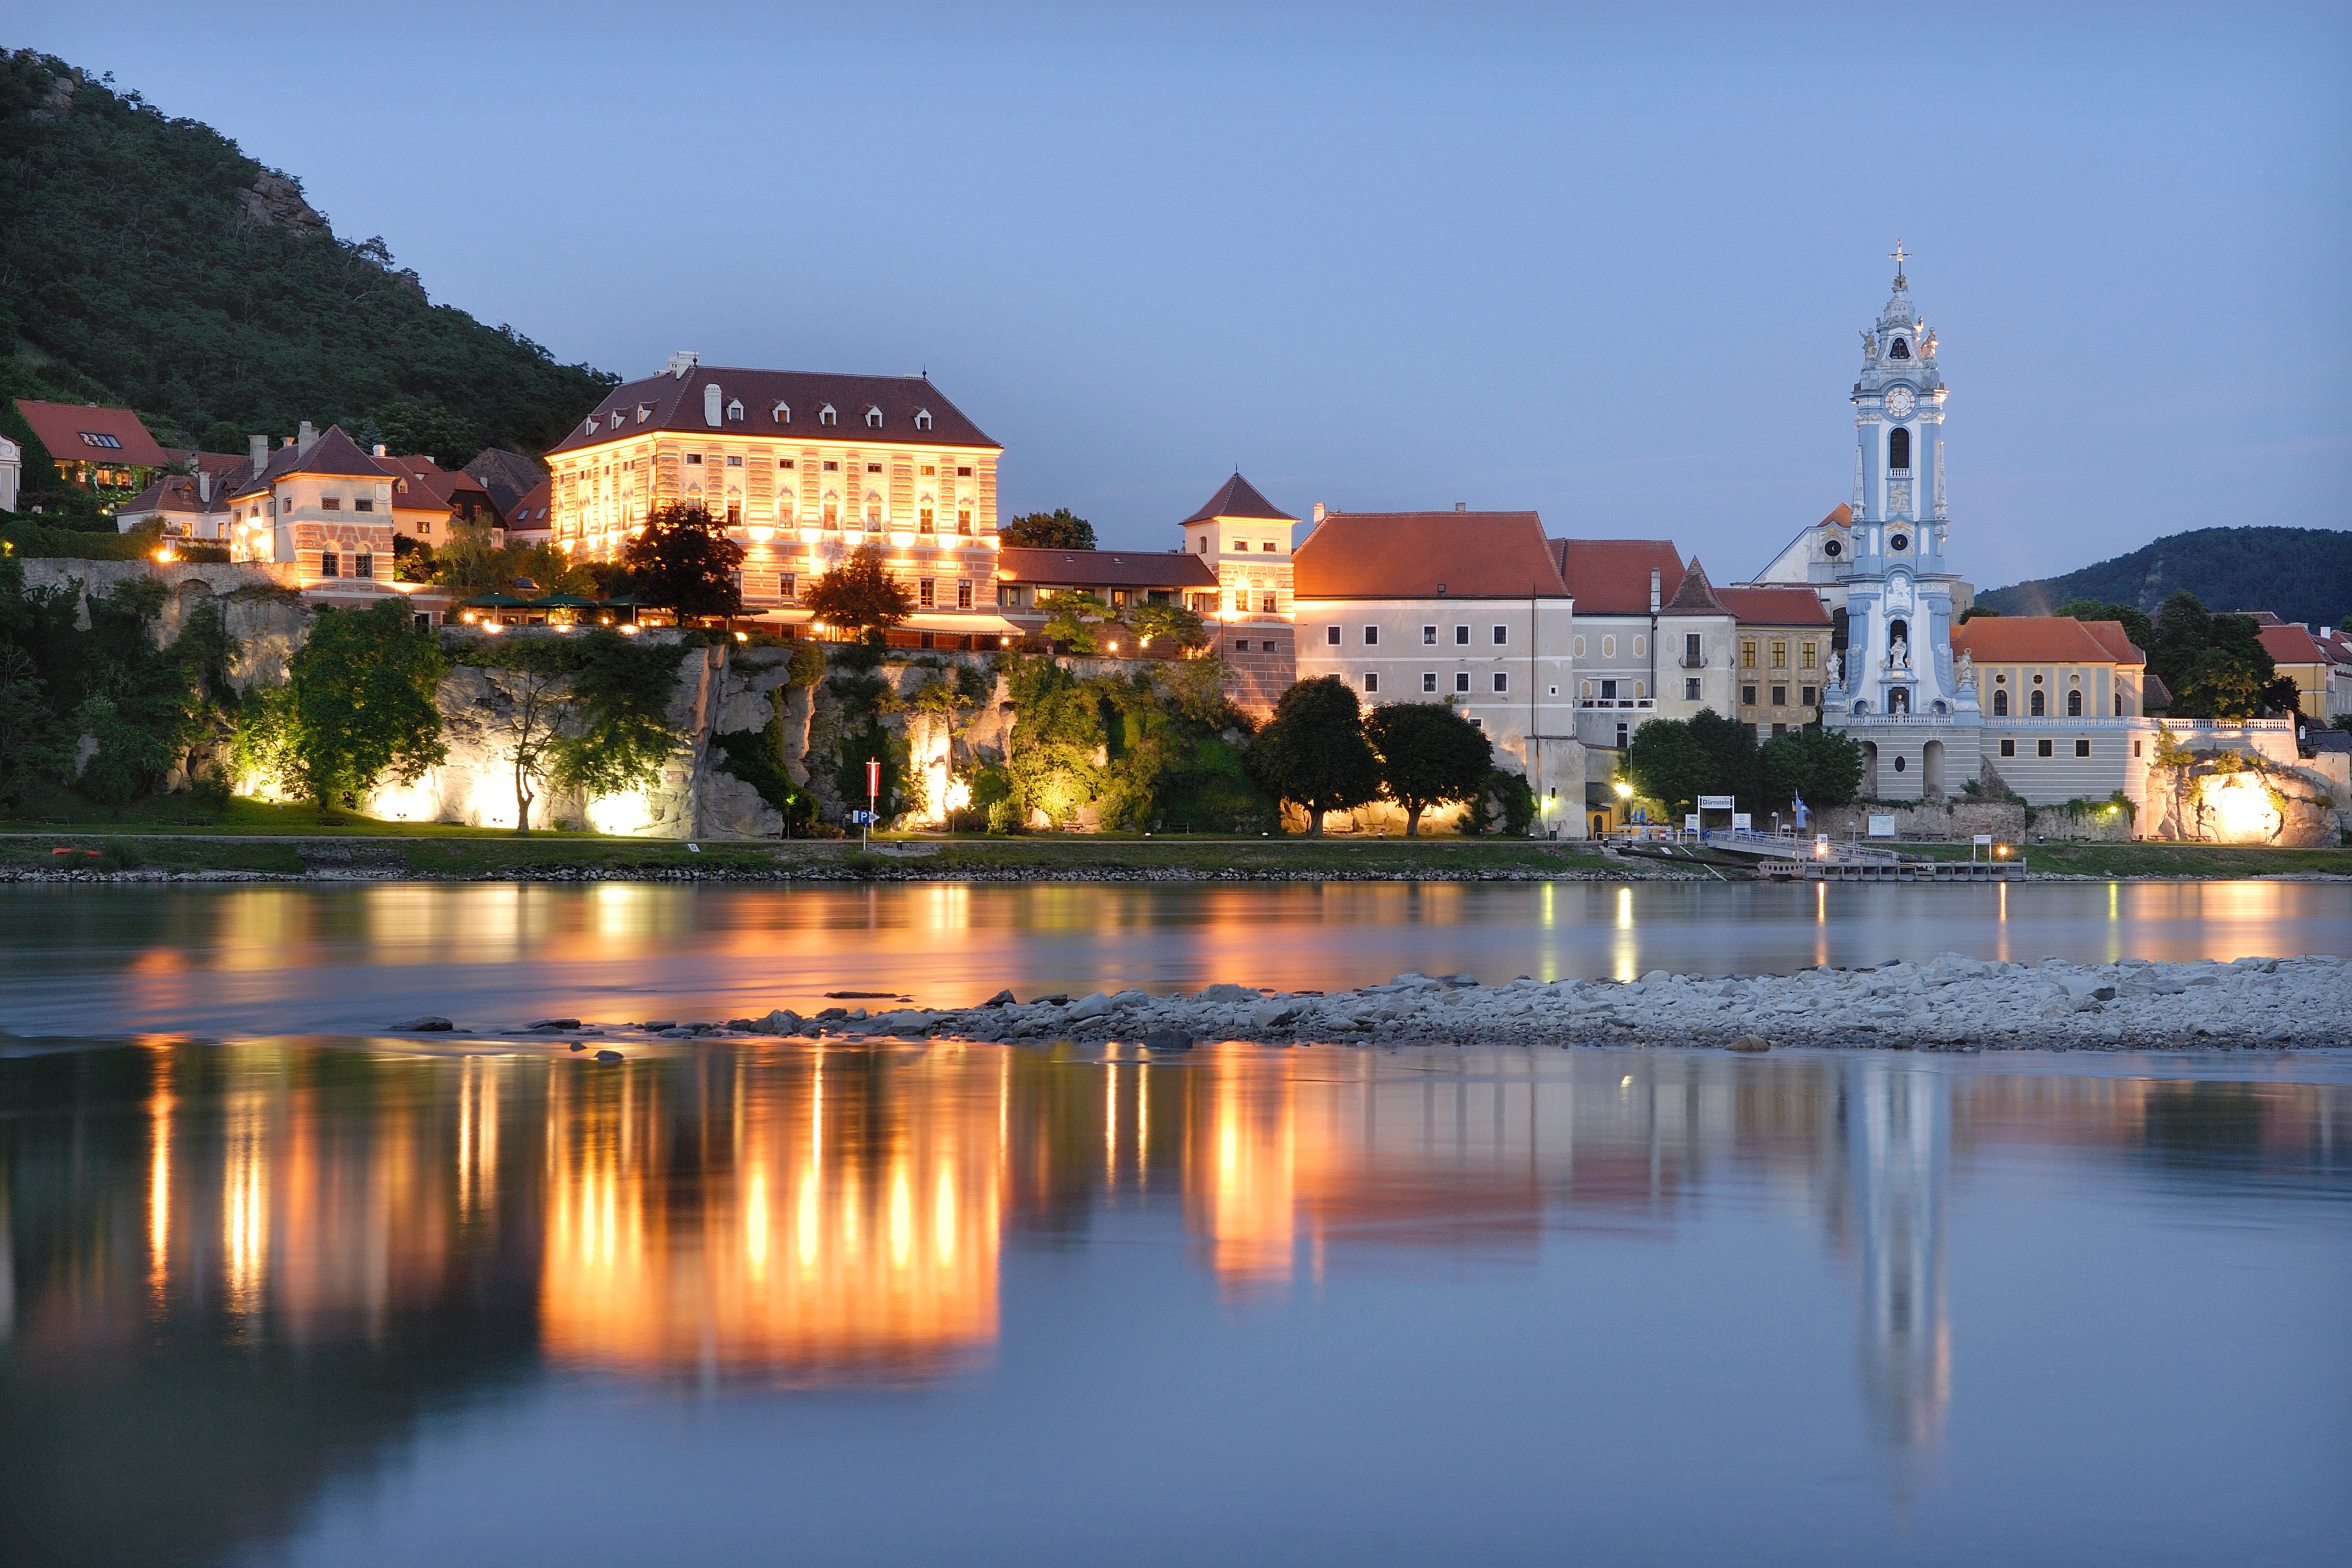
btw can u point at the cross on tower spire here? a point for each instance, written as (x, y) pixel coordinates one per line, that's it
(1900, 255)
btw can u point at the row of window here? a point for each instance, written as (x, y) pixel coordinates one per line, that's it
(331, 564)
(926, 590)
(1609, 647)
(1779, 696)
(2036, 707)
(1265, 546)
(1805, 656)
(1502, 680)
(2043, 748)
(827, 465)
(1502, 635)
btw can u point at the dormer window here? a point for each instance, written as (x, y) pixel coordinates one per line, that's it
(589, 427)
(735, 410)
(922, 418)
(781, 414)
(1902, 349)
(644, 412)
(826, 416)
(873, 418)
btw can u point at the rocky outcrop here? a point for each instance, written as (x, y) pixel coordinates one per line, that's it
(2229, 797)
(274, 198)
(258, 602)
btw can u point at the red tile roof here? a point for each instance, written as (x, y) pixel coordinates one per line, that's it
(529, 514)
(2041, 639)
(2291, 645)
(79, 433)
(1427, 555)
(2116, 641)
(1697, 595)
(1774, 606)
(675, 403)
(1238, 498)
(1612, 576)
(1106, 568)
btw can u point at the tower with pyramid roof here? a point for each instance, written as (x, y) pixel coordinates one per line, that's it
(1245, 538)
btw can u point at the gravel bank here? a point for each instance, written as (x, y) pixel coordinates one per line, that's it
(1954, 1003)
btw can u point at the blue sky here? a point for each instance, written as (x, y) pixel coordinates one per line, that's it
(1609, 265)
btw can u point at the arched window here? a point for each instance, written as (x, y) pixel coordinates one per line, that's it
(1902, 349)
(2074, 705)
(2001, 704)
(1899, 448)
(2037, 707)
(1898, 631)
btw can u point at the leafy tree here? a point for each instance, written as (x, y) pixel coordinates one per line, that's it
(1822, 766)
(1313, 751)
(1072, 617)
(1731, 746)
(1058, 733)
(1057, 530)
(1667, 763)
(25, 744)
(621, 688)
(534, 717)
(1170, 624)
(1429, 754)
(859, 595)
(2298, 574)
(357, 705)
(683, 561)
(2214, 666)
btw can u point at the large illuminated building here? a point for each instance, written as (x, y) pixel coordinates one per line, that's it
(803, 468)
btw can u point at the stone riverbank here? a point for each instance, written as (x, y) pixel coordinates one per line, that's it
(1954, 1003)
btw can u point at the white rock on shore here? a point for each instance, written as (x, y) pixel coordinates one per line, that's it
(1953, 1003)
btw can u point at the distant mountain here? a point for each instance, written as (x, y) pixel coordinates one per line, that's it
(146, 261)
(2296, 573)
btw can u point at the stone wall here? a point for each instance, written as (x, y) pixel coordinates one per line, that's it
(1956, 820)
(259, 605)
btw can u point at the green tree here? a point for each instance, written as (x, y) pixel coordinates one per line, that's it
(1171, 624)
(2135, 624)
(683, 561)
(26, 722)
(1822, 766)
(2214, 666)
(1057, 530)
(859, 595)
(1667, 763)
(1057, 734)
(1730, 747)
(357, 706)
(530, 714)
(1313, 751)
(621, 688)
(1429, 754)
(1072, 617)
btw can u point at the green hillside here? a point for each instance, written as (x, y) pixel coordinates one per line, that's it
(146, 261)
(2296, 573)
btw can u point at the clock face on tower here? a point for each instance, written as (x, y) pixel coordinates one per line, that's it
(1900, 403)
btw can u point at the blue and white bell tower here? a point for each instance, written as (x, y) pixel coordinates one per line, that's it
(1896, 690)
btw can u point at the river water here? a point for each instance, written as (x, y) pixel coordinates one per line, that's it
(272, 1291)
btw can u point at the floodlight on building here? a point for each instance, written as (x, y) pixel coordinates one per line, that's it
(1624, 791)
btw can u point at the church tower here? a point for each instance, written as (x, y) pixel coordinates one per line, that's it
(1897, 691)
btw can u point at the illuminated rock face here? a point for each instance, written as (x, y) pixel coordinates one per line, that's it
(2227, 798)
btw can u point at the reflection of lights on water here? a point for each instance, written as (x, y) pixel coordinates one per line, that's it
(943, 1218)
(755, 1226)
(806, 1223)
(902, 1219)
(245, 1204)
(159, 1192)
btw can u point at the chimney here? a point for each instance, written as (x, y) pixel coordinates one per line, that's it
(1318, 511)
(1653, 589)
(204, 484)
(380, 451)
(307, 438)
(710, 403)
(1462, 506)
(683, 360)
(257, 452)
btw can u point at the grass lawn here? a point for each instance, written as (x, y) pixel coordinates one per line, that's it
(2156, 860)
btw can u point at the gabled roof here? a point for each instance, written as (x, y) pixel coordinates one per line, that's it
(1697, 595)
(779, 405)
(1426, 555)
(430, 483)
(1774, 606)
(529, 513)
(1106, 568)
(1238, 498)
(2291, 645)
(1612, 576)
(332, 453)
(507, 476)
(2043, 639)
(79, 433)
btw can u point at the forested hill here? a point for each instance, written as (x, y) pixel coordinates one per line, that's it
(2296, 573)
(146, 261)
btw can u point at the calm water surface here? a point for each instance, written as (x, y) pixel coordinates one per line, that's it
(216, 962)
(270, 1292)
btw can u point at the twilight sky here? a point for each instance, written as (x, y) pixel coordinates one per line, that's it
(1607, 266)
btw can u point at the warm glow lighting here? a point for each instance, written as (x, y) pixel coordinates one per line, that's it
(760, 534)
(1624, 791)
(811, 535)
(900, 538)
(491, 626)
(628, 628)
(902, 1218)
(742, 637)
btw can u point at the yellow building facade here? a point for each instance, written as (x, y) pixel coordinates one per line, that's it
(803, 468)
